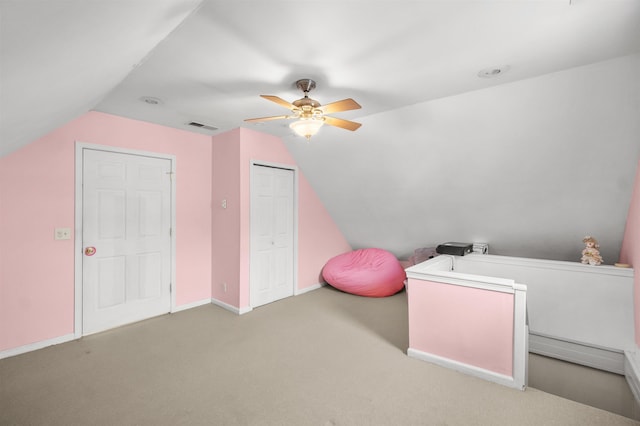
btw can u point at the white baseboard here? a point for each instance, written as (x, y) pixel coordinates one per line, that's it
(238, 311)
(245, 310)
(467, 369)
(632, 373)
(37, 345)
(578, 353)
(298, 292)
(241, 311)
(191, 305)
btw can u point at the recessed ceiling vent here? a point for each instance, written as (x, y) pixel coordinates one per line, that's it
(493, 72)
(202, 126)
(151, 100)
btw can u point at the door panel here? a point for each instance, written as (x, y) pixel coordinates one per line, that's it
(110, 281)
(272, 234)
(126, 217)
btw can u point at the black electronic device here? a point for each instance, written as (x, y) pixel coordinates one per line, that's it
(456, 249)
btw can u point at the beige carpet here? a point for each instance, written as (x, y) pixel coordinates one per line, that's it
(323, 358)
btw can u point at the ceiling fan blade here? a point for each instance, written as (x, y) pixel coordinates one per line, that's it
(279, 101)
(344, 124)
(275, 117)
(338, 106)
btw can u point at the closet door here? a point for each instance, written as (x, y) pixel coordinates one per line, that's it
(272, 234)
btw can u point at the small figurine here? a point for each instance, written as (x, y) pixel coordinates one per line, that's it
(590, 254)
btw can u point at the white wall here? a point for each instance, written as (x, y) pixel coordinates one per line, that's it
(530, 167)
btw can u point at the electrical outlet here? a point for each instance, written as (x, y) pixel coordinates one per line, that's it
(62, 234)
(224, 287)
(224, 203)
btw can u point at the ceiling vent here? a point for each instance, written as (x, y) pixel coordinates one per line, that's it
(493, 72)
(202, 126)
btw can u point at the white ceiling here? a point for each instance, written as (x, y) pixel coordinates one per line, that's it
(208, 61)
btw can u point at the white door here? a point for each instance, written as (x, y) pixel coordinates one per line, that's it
(126, 226)
(272, 234)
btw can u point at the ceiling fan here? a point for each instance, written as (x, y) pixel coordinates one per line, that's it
(309, 114)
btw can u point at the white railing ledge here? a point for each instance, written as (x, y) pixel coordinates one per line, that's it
(467, 280)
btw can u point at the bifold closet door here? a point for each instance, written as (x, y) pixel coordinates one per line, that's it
(272, 234)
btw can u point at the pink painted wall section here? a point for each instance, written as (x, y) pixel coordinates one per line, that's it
(319, 238)
(225, 250)
(630, 250)
(464, 324)
(36, 272)
(37, 188)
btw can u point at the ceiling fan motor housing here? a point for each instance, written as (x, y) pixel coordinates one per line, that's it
(307, 107)
(306, 85)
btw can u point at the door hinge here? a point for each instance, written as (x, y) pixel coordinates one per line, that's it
(170, 232)
(170, 288)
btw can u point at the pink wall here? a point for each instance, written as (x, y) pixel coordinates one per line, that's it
(630, 251)
(37, 187)
(37, 190)
(318, 237)
(468, 325)
(225, 249)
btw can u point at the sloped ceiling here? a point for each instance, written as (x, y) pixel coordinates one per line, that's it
(529, 161)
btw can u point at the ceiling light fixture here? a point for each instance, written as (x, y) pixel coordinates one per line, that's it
(307, 127)
(310, 116)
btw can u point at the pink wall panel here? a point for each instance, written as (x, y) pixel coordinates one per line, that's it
(36, 272)
(226, 222)
(464, 324)
(319, 238)
(37, 192)
(630, 251)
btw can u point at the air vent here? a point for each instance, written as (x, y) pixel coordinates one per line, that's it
(202, 126)
(493, 72)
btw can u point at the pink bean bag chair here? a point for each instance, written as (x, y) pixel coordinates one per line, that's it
(368, 272)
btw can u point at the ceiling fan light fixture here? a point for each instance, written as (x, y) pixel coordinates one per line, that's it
(309, 114)
(306, 127)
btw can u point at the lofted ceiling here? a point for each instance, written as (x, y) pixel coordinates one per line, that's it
(207, 61)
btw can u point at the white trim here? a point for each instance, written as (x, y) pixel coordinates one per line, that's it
(468, 369)
(548, 264)
(520, 339)
(191, 305)
(79, 148)
(632, 373)
(466, 280)
(228, 307)
(296, 198)
(245, 310)
(37, 345)
(441, 269)
(599, 357)
(77, 311)
(298, 292)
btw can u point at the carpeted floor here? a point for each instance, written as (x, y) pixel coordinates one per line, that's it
(322, 358)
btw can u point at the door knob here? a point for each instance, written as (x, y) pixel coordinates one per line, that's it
(89, 251)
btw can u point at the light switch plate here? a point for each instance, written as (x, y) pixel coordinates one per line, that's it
(63, 234)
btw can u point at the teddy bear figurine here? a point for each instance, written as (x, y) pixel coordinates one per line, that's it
(590, 254)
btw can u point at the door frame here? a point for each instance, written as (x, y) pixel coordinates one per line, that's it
(78, 247)
(294, 169)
